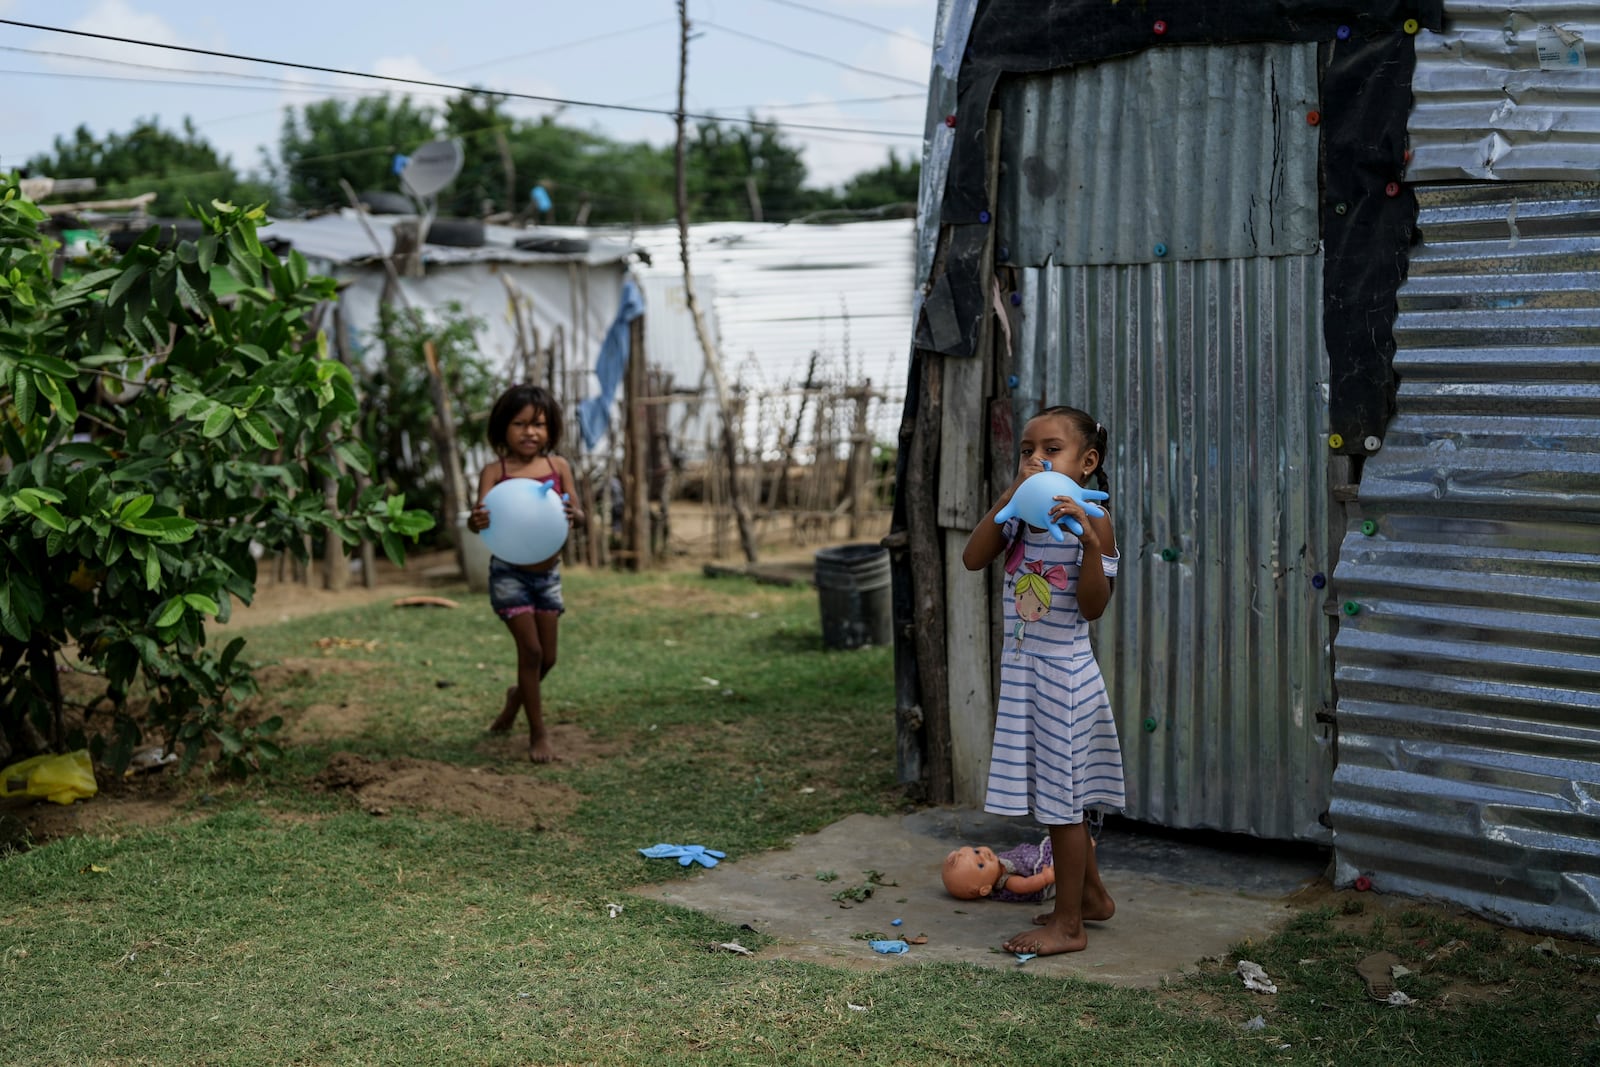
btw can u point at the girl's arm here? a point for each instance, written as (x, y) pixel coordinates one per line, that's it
(988, 538)
(478, 517)
(1094, 588)
(564, 469)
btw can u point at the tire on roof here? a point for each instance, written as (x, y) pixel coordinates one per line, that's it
(172, 231)
(383, 202)
(558, 245)
(456, 233)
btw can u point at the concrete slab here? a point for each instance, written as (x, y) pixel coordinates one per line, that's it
(1177, 902)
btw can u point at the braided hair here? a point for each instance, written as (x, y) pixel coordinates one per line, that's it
(1093, 434)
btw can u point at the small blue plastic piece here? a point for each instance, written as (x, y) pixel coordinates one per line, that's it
(1024, 957)
(896, 922)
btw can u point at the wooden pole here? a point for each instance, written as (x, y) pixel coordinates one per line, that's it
(741, 514)
(635, 454)
(860, 458)
(444, 427)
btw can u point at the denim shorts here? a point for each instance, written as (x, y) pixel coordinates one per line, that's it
(514, 591)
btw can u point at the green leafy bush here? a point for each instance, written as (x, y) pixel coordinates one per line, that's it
(152, 430)
(398, 412)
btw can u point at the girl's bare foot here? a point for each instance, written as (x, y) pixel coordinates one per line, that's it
(1055, 936)
(1097, 904)
(1097, 907)
(539, 750)
(508, 715)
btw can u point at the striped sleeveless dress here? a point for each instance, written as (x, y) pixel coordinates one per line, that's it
(1055, 742)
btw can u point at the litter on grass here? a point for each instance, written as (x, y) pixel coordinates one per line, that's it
(1255, 978)
(735, 947)
(895, 946)
(684, 854)
(1258, 1023)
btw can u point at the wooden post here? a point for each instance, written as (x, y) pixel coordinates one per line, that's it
(741, 514)
(444, 429)
(925, 544)
(636, 454)
(860, 458)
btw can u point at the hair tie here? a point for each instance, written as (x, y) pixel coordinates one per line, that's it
(1098, 429)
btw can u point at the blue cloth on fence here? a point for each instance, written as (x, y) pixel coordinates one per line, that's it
(684, 854)
(594, 413)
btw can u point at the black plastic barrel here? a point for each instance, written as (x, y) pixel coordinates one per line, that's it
(853, 593)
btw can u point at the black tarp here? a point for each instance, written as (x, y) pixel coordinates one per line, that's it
(1368, 217)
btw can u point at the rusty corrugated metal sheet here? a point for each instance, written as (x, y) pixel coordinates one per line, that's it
(1211, 379)
(1175, 153)
(1484, 108)
(1469, 678)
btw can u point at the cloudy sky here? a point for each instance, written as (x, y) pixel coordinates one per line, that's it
(748, 54)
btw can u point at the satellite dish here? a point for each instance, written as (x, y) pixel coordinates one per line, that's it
(431, 167)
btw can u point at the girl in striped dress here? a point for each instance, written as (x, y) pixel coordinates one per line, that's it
(1055, 753)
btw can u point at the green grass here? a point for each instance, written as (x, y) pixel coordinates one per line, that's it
(276, 923)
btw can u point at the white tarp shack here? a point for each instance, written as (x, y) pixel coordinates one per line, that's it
(774, 296)
(564, 283)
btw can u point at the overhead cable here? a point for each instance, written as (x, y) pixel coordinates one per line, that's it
(507, 94)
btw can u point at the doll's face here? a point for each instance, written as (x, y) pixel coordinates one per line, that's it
(1030, 608)
(970, 873)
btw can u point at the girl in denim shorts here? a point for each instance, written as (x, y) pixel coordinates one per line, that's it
(524, 429)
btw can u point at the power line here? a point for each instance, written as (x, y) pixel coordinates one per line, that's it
(821, 103)
(853, 21)
(563, 47)
(476, 90)
(800, 52)
(287, 87)
(290, 84)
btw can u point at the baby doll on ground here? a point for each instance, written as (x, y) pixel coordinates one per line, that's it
(1024, 874)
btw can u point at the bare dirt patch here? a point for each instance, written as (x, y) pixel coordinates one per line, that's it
(122, 804)
(573, 744)
(520, 801)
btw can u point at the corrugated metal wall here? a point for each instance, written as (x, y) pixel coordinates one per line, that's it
(1202, 153)
(1483, 107)
(1469, 679)
(1208, 366)
(1210, 378)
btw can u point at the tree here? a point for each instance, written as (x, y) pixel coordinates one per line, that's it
(152, 431)
(727, 160)
(354, 140)
(891, 184)
(179, 167)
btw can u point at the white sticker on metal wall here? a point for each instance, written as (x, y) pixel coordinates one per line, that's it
(1560, 49)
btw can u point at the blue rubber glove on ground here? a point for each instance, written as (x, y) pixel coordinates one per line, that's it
(684, 854)
(889, 946)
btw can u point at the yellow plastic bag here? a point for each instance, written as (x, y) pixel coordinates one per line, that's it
(61, 779)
